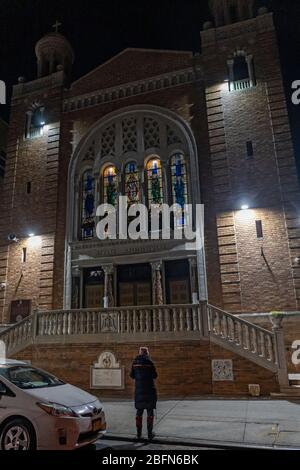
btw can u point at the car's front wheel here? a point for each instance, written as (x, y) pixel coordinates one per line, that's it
(17, 434)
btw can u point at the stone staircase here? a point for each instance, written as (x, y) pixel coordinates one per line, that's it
(158, 323)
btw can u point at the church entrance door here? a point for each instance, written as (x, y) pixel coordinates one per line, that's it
(93, 288)
(134, 285)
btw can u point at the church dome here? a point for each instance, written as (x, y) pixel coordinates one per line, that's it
(52, 51)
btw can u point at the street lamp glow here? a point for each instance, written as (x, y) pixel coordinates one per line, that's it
(244, 207)
(30, 235)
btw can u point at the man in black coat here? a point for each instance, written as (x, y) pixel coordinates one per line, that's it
(144, 373)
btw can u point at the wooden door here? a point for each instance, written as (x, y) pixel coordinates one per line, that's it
(134, 293)
(143, 293)
(179, 292)
(94, 296)
(126, 292)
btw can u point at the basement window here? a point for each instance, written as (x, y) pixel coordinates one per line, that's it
(28, 187)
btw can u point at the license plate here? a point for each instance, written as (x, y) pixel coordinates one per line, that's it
(97, 425)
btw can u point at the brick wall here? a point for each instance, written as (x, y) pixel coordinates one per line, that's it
(34, 161)
(267, 182)
(184, 368)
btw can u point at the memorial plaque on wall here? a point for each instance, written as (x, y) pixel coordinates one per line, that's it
(107, 373)
(222, 370)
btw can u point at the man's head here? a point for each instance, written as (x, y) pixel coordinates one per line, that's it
(144, 351)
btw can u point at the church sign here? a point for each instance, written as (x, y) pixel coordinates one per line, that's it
(107, 373)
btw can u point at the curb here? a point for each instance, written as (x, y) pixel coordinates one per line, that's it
(191, 443)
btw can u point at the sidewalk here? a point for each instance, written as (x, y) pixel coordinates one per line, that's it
(270, 423)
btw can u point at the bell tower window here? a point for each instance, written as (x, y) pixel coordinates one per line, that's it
(35, 122)
(241, 72)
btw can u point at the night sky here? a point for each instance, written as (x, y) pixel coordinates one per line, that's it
(100, 29)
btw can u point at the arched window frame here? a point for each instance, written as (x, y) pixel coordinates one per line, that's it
(91, 153)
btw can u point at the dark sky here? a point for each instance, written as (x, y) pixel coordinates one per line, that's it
(99, 29)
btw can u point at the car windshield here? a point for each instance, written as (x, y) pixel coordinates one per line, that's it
(27, 377)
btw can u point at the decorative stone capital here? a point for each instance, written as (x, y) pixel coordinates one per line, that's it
(156, 265)
(193, 262)
(76, 272)
(276, 320)
(108, 268)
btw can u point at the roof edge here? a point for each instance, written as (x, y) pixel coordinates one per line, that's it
(188, 53)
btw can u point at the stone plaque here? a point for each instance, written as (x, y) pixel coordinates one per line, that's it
(254, 390)
(107, 373)
(109, 322)
(222, 370)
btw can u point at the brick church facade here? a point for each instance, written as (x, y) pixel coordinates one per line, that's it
(216, 122)
(233, 135)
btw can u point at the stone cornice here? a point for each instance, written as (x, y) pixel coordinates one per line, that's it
(110, 248)
(55, 80)
(127, 90)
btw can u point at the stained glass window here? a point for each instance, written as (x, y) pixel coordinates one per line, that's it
(179, 182)
(110, 185)
(87, 205)
(154, 182)
(132, 183)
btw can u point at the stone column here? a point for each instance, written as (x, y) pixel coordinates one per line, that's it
(249, 60)
(76, 278)
(68, 279)
(230, 63)
(108, 300)
(193, 280)
(157, 290)
(280, 350)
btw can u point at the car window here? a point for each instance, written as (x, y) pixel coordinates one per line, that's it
(26, 377)
(5, 390)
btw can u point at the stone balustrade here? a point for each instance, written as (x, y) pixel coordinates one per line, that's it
(155, 322)
(243, 336)
(127, 320)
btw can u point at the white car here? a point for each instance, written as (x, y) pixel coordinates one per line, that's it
(39, 411)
